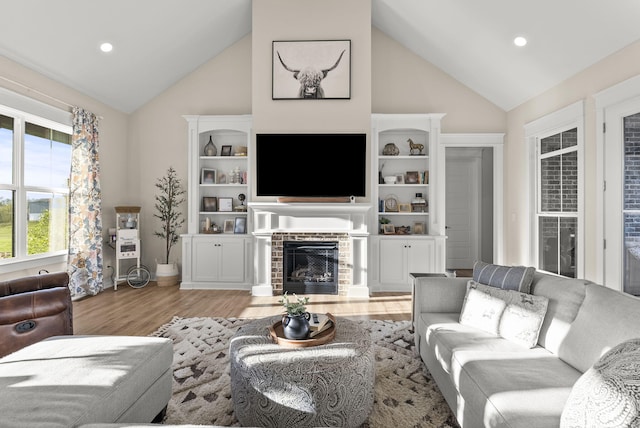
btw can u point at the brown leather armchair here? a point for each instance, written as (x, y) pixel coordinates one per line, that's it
(34, 308)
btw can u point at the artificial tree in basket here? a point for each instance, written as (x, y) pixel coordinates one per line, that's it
(167, 206)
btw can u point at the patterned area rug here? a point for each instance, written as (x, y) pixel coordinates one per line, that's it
(405, 393)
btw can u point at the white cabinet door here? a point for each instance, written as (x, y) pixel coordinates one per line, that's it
(393, 261)
(400, 257)
(206, 253)
(231, 259)
(216, 259)
(420, 256)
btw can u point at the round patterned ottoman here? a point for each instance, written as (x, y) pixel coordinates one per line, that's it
(325, 385)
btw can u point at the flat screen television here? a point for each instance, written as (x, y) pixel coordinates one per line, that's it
(311, 165)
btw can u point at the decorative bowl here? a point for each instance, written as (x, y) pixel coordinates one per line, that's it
(390, 179)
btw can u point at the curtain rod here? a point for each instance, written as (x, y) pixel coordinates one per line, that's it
(36, 91)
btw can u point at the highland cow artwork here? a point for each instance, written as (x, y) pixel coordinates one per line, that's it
(317, 69)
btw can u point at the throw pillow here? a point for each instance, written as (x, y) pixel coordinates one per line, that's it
(481, 310)
(522, 317)
(607, 395)
(517, 278)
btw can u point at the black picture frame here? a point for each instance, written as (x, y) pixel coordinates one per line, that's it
(240, 225)
(209, 204)
(225, 151)
(330, 58)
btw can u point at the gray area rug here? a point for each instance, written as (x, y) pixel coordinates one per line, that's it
(405, 393)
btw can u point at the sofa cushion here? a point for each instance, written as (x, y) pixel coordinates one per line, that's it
(565, 298)
(66, 381)
(607, 395)
(481, 310)
(526, 388)
(444, 335)
(520, 320)
(506, 277)
(606, 318)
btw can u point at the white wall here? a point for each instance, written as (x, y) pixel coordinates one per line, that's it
(613, 69)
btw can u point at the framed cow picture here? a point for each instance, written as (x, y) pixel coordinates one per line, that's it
(311, 70)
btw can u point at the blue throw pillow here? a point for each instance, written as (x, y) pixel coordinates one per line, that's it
(516, 278)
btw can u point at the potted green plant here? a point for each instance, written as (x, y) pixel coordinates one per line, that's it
(168, 201)
(295, 322)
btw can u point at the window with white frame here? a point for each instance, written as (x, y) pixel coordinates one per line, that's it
(557, 235)
(557, 210)
(35, 163)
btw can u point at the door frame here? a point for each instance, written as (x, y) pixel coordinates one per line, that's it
(615, 97)
(494, 141)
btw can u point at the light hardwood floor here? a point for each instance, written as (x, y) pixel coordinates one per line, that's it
(130, 311)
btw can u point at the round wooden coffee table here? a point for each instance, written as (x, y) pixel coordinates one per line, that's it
(326, 385)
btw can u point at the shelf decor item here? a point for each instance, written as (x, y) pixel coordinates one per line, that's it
(240, 225)
(226, 151)
(413, 147)
(419, 204)
(390, 149)
(210, 148)
(413, 177)
(225, 204)
(209, 203)
(167, 205)
(208, 176)
(391, 204)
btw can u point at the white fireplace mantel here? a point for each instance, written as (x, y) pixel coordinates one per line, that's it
(271, 217)
(277, 217)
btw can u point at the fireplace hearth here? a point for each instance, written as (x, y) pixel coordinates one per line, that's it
(310, 267)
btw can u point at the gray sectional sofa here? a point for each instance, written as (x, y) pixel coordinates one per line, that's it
(491, 381)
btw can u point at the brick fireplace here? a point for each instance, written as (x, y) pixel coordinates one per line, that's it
(277, 223)
(315, 281)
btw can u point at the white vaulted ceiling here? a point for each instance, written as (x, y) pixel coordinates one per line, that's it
(157, 42)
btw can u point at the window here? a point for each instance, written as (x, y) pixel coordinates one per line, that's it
(557, 237)
(558, 202)
(35, 163)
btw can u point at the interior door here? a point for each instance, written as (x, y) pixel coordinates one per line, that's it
(622, 196)
(463, 189)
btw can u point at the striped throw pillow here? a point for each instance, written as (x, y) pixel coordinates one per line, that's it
(516, 278)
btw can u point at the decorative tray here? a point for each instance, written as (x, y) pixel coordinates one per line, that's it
(277, 335)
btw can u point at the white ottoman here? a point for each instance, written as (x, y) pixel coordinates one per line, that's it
(326, 385)
(67, 381)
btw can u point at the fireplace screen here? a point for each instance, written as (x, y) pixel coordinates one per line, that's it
(310, 267)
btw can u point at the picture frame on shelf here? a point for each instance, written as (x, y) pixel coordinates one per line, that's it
(418, 228)
(404, 208)
(209, 204)
(400, 179)
(225, 204)
(208, 176)
(388, 229)
(228, 225)
(331, 59)
(225, 151)
(412, 177)
(240, 225)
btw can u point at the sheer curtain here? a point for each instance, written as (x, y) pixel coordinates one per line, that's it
(85, 214)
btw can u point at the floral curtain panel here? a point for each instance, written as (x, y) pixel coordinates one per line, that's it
(85, 214)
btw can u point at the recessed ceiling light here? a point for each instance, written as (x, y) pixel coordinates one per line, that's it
(519, 41)
(106, 47)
